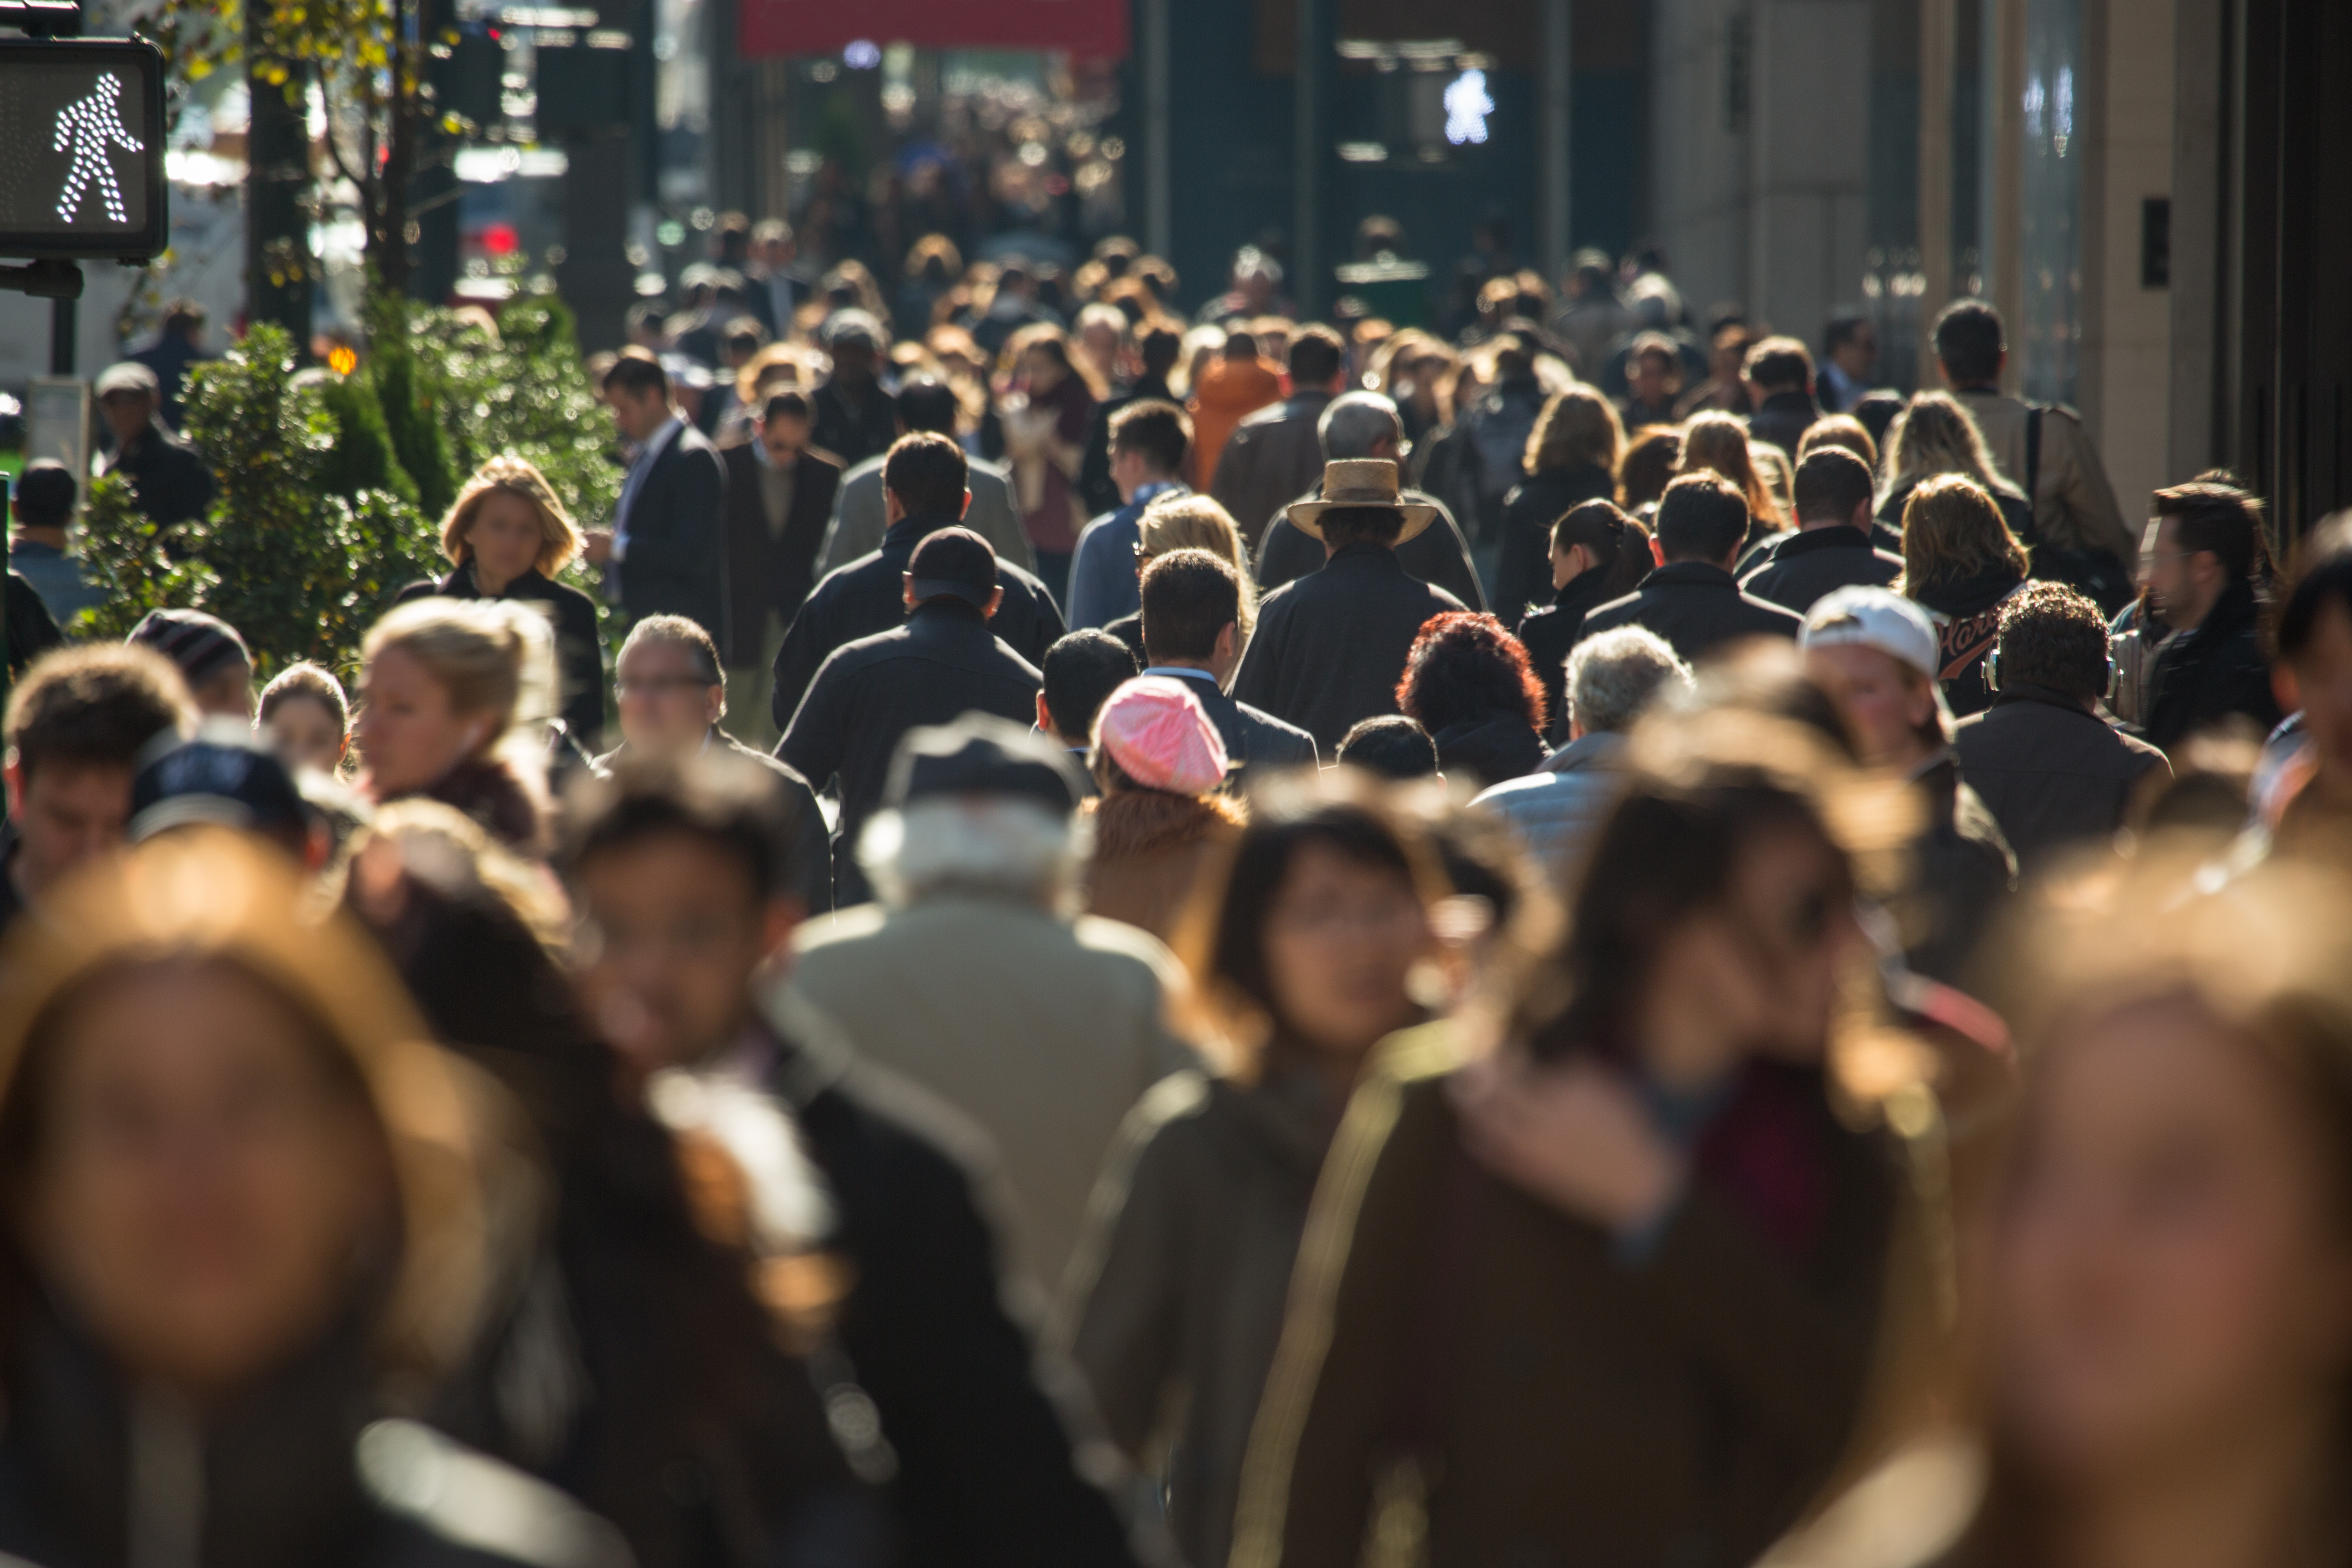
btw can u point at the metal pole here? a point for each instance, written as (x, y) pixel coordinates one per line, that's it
(62, 323)
(1159, 226)
(1556, 165)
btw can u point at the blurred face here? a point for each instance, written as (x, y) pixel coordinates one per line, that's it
(853, 363)
(227, 693)
(305, 733)
(2323, 679)
(505, 539)
(203, 1185)
(637, 415)
(1340, 940)
(65, 812)
(128, 414)
(1885, 702)
(1647, 375)
(670, 939)
(1858, 355)
(668, 704)
(2169, 1284)
(408, 734)
(1043, 370)
(2184, 585)
(783, 438)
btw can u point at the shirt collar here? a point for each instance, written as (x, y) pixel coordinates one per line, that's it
(1202, 676)
(658, 442)
(1146, 494)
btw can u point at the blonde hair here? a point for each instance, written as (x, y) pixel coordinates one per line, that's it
(1952, 529)
(1840, 430)
(560, 539)
(1935, 434)
(1196, 522)
(1717, 442)
(1578, 425)
(495, 659)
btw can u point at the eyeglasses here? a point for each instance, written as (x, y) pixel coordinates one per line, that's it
(655, 685)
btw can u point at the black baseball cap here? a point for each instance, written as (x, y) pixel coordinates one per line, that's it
(980, 753)
(953, 561)
(220, 776)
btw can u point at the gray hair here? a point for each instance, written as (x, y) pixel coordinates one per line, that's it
(1614, 676)
(991, 847)
(1354, 423)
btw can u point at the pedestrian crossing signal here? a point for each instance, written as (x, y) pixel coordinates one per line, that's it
(81, 150)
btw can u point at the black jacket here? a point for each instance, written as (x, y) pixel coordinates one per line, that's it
(1488, 750)
(1967, 613)
(1252, 738)
(811, 843)
(1523, 570)
(1548, 634)
(579, 647)
(173, 482)
(1329, 648)
(2211, 671)
(2054, 774)
(1799, 568)
(32, 630)
(1695, 606)
(1962, 876)
(676, 526)
(869, 596)
(943, 663)
(1438, 555)
(852, 432)
(984, 1475)
(1783, 420)
(771, 571)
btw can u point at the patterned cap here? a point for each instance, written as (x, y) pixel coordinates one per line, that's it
(1160, 736)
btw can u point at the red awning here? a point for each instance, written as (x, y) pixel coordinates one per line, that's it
(1090, 29)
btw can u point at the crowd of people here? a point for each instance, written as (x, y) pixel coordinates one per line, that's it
(1371, 950)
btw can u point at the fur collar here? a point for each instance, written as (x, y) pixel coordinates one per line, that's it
(1138, 822)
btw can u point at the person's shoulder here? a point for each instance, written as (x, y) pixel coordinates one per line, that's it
(690, 438)
(1119, 946)
(423, 588)
(777, 765)
(1769, 616)
(865, 472)
(457, 1507)
(1260, 720)
(1012, 665)
(1614, 613)
(1011, 574)
(818, 459)
(1514, 792)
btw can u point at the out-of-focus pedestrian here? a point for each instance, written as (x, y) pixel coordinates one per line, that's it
(1273, 453)
(1718, 444)
(1726, 389)
(194, 1061)
(2210, 573)
(77, 724)
(2054, 773)
(937, 1391)
(1158, 347)
(1161, 810)
(1572, 459)
(1831, 547)
(509, 535)
(41, 506)
(1654, 454)
(1960, 564)
(1654, 378)
(1612, 678)
(1390, 747)
(1498, 426)
(779, 493)
(1149, 441)
(1935, 436)
(1307, 942)
(2309, 800)
(305, 715)
(970, 977)
(178, 348)
(1692, 600)
(448, 697)
(1195, 622)
(1080, 672)
(1842, 431)
(1046, 419)
(1779, 374)
(1849, 360)
(854, 418)
(1187, 522)
(1231, 386)
(1330, 647)
(1591, 317)
(211, 656)
(1598, 555)
(1875, 653)
(671, 515)
(169, 479)
(861, 517)
(1466, 681)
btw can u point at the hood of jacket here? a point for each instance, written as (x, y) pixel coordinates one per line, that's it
(1134, 823)
(1495, 746)
(1969, 595)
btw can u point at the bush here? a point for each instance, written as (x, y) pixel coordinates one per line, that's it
(123, 553)
(362, 457)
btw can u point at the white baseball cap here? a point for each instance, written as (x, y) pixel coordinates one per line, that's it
(1874, 617)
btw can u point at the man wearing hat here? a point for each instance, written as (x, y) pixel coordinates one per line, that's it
(971, 979)
(212, 658)
(1874, 653)
(223, 778)
(1331, 648)
(172, 483)
(943, 662)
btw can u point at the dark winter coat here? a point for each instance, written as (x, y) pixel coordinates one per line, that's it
(869, 596)
(1438, 555)
(1496, 424)
(1802, 568)
(1523, 568)
(1271, 457)
(1331, 648)
(2211, 671)
(677, 524)
(489, 790)
(1487, 750)
(946, 661)
(1967, 613)
(2055, 776)
(771, 570)
(852, 432)
(1550, 633)
(1963, 873)
(169, 479)
(1783, 420)
(1696, 606)
(579, 647)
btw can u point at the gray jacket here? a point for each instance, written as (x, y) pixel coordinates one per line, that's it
(1557, 810)
(859, 520)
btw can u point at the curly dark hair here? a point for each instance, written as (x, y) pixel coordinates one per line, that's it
(1466, 666)
(2051, 635)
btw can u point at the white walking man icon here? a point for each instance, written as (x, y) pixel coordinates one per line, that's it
(94, 126)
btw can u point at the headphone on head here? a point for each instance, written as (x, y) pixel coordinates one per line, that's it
(1992, 672)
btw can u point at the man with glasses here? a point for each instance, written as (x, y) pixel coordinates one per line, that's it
(672, 692)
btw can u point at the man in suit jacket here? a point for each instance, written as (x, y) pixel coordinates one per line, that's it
(665, 553)
(779, 494)
(1692, 600)
(1275, 453)
(925, 488)
(1192, 608)
(860, 515)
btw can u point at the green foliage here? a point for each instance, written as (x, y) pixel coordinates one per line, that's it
(123, 553)
(362, 457)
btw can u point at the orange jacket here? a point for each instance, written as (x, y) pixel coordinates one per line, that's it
(1230, 391)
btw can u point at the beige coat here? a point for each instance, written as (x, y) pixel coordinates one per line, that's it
(1044, 1032)
(2075, 507)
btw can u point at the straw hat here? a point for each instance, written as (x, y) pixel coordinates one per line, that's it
(1361, 481)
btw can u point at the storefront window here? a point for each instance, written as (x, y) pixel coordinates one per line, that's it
(2047, 340)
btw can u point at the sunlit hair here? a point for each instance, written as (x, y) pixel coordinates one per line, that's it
(999, 847)
(495, 659)
(1197, 523)
(1841, 430)
(1951, 529)
(1719, 443)
(1935, 435)
(212, 898)
(1462, 666)
(1578, 428)
(1652, 458)
(559, 542)
(1055, 343)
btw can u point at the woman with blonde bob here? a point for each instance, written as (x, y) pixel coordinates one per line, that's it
(1571, 457)
(453, 707)
(250, 1211)
(1717, 442)
(1189, 522)
(1302, 937)
(509, 536)
(1961, 563)
(2166, 1365)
